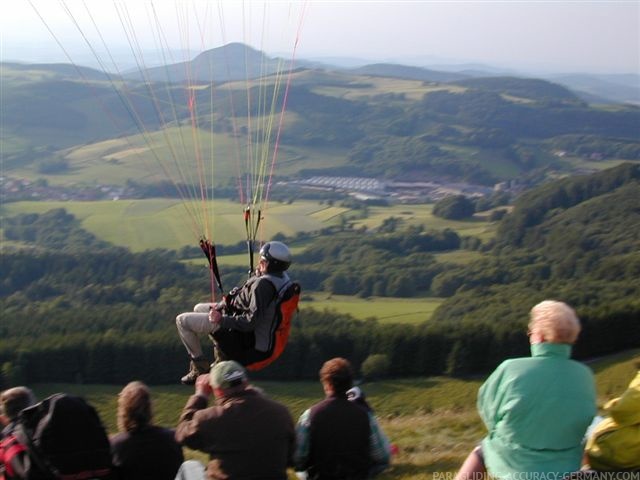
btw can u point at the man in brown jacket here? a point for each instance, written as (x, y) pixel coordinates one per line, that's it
(246, 434)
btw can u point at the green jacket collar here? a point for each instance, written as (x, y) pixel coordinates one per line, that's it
(546, 349)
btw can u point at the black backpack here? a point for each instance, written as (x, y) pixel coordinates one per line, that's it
(65, 440)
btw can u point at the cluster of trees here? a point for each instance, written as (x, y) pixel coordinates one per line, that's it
(454, 207)
(434, 348)
(396, 264)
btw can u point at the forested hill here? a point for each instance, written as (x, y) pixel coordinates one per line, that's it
(576, 240)
(530, 88)
(384, 121)
(76, 309)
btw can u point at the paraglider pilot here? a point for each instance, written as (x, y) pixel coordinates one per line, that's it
(241, 325)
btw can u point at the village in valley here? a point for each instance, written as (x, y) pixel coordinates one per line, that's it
(361, 188)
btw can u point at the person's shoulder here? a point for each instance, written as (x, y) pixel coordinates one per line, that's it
(262, 397)
(578, 365)
(119, 438)
(161, 431)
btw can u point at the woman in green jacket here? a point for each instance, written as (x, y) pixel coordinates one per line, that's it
(536, 409)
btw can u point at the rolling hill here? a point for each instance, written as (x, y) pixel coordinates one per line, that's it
(388, 121)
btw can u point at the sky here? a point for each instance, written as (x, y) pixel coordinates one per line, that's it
(544, 36)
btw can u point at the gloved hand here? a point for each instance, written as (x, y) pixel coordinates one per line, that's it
(221, 305)
(215, 317)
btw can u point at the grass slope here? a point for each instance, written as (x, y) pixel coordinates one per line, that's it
(386, 310)
(433, 421)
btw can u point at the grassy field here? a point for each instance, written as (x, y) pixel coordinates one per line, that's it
(423, 215)
(372, 86)
(166, 223)
(391, 310)
(433, 421)
(177, 154)
(170, 223)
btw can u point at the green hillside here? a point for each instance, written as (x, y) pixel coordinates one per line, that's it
(81, 126)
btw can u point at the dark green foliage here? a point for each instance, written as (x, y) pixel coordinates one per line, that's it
(454, 207)
(534, 206)
(55, 229)
(53, 166)
(487, 109)
(375, 366)
(394, 265)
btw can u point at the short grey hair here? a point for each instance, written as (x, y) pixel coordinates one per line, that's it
(14, 400)
(556, 321)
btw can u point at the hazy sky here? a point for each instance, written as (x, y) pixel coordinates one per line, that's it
(595, 36)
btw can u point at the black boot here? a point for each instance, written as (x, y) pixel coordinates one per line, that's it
(197, 366)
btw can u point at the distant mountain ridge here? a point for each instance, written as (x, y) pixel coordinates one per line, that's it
(241, 62)
(603, 88)
(408, 72)
(61, 70)
(234, 61)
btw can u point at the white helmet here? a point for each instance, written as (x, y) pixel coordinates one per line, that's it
(277, 254)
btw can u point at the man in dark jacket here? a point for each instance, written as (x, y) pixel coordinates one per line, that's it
(338, 438)
(246, 434)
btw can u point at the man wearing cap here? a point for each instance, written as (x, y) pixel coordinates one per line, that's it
(246, 434)
(242, 326)
(339, 437)
(13, 454)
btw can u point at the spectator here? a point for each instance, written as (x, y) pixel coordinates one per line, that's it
(614, 444)
(536, 409)
(246, 434)
(13, 455)
(142, 450)
(338, 438)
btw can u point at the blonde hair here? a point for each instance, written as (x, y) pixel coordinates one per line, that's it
(556, 321)
(134, 407)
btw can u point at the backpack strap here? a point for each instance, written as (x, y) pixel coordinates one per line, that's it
(11, 451)
(34, 453)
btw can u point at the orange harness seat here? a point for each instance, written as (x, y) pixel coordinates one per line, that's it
(286, 308)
